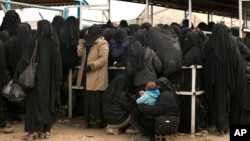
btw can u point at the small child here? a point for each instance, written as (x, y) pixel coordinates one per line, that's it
(150, 95)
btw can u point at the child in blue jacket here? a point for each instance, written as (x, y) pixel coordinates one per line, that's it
(150, 95)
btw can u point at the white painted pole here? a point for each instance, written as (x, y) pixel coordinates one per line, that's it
(190, 13)
(193, 100)
(70, 93)
(147, 11)
(240, 18)
(152, 14)
(109, 9)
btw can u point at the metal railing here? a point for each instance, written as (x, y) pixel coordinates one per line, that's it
(193, 93)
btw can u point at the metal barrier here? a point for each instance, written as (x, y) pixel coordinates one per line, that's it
(71, 87)
(193, 93)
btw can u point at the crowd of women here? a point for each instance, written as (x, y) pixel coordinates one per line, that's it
(140, 53)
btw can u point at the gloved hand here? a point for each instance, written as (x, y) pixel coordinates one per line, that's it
(87, 69)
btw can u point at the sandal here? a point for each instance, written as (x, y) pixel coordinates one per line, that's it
(41, 135)
(47, 135)
(30, 136)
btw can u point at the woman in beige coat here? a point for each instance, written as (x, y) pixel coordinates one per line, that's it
(93, 74)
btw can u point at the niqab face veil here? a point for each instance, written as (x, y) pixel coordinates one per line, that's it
(136, 55)
(94, 32)
(44, 28)
(10, 22)
(70, 32)
(220, 42)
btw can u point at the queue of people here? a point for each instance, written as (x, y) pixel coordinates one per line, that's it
(143, 87)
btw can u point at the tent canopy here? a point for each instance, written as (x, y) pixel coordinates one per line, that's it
(227, 8)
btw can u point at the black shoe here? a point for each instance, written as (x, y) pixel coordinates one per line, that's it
(142, 138)
(220, 134)
(96, 126)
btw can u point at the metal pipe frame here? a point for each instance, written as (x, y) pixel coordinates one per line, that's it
(240, 16)
(30, 5)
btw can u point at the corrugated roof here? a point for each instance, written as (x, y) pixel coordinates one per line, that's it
(49, 2)
(228, 8)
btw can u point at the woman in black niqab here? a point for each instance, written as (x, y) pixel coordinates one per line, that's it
(225, 78)
(57, 23)
(23, 38)
(4, 78)
(40, 100)
(10, 22)
(136, 56)
(68, 36)
(140, 35)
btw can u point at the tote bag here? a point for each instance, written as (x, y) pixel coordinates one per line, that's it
(27, 76)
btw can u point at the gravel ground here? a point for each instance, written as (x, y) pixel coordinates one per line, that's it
(74, 130)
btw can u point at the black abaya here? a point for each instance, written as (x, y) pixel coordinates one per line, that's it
(40, 100)
(225, 78)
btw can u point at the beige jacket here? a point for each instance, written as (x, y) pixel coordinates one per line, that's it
(97, 78)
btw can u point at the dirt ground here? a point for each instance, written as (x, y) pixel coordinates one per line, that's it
(74, 130)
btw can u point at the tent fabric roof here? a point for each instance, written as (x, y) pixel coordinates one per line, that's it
(49, 2)
(227, 8)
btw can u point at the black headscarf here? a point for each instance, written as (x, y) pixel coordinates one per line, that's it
(17, 45)
(4, 36)
(94, 33)
(4, 77)
(146, 25)
(192, 39)
(24, 35)
(202, 26)
(136, 55)
(184, 32)
(10, 22)
(177, 29)
(220, 42)
(84, 32)
(119, 35)
(164, 84)
(70, 32)
(141, 36)
(210, 26)
(57, 23)
(123, 23)
(108, 33)
(45, 29)
(133, 28)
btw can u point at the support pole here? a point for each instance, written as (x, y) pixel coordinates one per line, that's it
(9, 2)
(3, 8)
(79, 9)
(193, 100)
(240, 18)
(152, 14)
(109, 10)
(8, 5)
(190, 13)
(147, 11)
(65, 13)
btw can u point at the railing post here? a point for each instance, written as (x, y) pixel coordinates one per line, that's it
(70, 93)
(193, 101)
